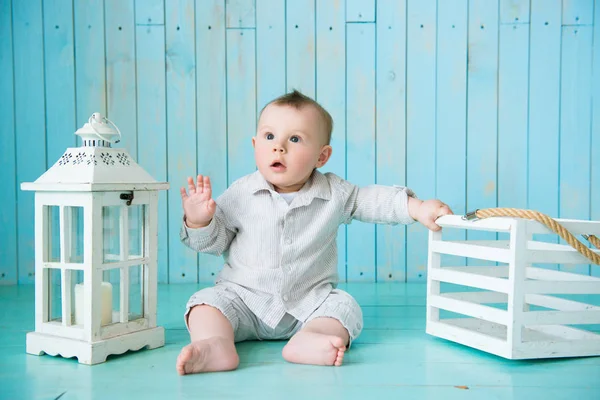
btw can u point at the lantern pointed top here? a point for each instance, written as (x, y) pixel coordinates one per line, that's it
(95, 166)
(99, 131)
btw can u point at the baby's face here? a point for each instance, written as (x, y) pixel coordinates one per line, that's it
(288, 145)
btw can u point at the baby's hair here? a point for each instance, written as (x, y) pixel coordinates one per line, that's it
(298, 100)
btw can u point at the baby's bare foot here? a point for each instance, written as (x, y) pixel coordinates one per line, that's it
(315, 348)
(209, 355)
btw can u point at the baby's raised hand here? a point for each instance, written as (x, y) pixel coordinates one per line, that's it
(198, 206)
(426, 212)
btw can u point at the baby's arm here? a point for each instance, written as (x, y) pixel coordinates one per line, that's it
(204, 228)
(391, 205)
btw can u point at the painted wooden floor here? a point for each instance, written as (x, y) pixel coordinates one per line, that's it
(393, 358)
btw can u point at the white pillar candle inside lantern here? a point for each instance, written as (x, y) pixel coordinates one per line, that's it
(106, 304)
(96, 213)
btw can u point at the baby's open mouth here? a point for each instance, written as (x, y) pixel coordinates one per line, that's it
(278, 165)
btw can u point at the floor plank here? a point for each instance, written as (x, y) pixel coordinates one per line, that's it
(392, 358)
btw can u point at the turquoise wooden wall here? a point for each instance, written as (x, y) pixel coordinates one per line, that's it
(481, 103)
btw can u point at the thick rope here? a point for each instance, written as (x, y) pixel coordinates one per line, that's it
(593, 240)
(550, 223)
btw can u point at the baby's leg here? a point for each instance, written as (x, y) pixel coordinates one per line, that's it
(325, 337)
(212, 345)
(321, 341)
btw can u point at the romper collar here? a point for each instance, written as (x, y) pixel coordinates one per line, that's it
(317, 186)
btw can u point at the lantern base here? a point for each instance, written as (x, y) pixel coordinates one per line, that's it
(91, 353)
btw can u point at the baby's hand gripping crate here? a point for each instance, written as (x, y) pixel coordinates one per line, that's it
(516, 309)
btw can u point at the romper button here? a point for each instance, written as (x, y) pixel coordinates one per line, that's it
(358, 326)
(288, 240)
(285, 298)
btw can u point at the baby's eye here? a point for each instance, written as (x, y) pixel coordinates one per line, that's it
(294, 139)
(270, 136)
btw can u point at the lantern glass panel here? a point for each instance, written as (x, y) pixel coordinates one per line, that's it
(54, 295)
(77, 311)
(75, 229)
(110, 296)
(137, 221)
(136, 292)
(111, 231)
(53, 234)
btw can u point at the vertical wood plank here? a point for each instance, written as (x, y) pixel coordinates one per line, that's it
(152, 122)
(120, 71)
(181, 129)
(595, 139)
(482, 111)
(512, 115)
(90, 60)
(360, 125)
(544, 106)
(451, 113)
(300, 46)
(391, 130)
(149, 12)
(59, 67)
(331, 94)
(577, 12)
(575, 126)
(240, 13)
(241, 102)
(361, 11)
(30, 121)
(420, 124)
(270, 51)
(211, 92)
(514, 11)
(8, 173)
(513, 81)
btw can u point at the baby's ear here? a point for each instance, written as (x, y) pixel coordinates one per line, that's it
(253, 141)
(324, 156)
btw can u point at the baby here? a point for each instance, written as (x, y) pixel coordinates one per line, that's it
(276, 229)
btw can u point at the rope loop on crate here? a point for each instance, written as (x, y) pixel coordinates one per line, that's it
(552, 224)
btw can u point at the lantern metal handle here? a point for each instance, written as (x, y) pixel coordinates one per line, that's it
(96, 117)
(127, 196)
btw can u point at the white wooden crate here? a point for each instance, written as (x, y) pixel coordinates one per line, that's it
(519, 329)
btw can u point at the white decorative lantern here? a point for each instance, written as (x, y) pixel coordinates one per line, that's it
(95, 251)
